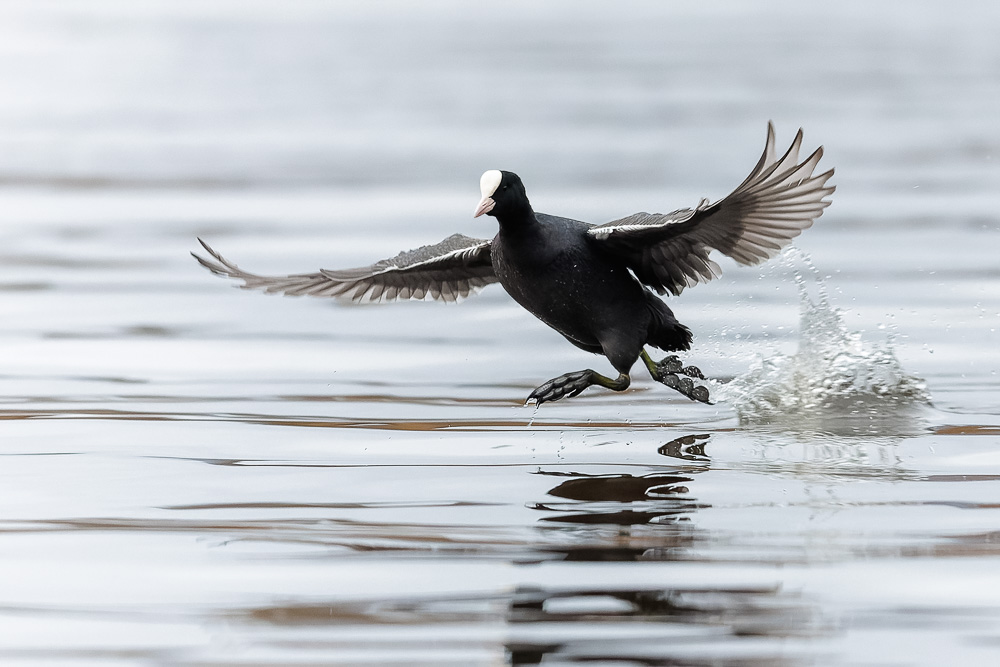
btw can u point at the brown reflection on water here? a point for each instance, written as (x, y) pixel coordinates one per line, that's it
(310, 421)
(968, 429)
(429, 610)
(659, 626)
(669, 623)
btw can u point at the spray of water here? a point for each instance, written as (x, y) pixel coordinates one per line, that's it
(834, 374)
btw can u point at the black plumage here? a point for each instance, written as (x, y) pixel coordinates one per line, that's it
(591, 283)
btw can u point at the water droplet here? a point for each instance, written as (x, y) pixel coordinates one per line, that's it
(832, 368)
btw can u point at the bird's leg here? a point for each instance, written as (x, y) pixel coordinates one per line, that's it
(669, 372)
(572, 384)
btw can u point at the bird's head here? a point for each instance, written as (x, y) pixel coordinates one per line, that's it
(503, 195)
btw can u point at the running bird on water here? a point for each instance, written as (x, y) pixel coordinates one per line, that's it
(591, 283)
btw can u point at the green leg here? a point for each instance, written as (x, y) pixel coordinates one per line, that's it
(572, 384)
(669, 372)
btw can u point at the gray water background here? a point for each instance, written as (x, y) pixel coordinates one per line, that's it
(193, 475)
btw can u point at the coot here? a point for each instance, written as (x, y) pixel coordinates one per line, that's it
(591, 283)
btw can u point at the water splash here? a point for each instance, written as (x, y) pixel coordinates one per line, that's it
(835, 376)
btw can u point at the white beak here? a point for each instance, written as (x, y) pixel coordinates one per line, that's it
(485, 206)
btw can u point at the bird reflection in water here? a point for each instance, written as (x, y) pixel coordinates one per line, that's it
(643, 518)
(679, 626)
(687, 448)
(627, 499)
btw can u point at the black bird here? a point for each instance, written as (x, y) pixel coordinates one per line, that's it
(591, 283)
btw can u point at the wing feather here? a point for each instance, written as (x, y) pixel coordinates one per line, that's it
(778, 200)
(448, 271)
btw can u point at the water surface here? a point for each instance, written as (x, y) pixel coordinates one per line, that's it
(195, 475)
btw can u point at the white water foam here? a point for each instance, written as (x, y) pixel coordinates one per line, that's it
(835, 376)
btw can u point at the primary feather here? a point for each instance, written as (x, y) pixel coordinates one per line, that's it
(780, 198)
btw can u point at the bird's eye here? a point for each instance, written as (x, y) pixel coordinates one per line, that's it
(505, 187)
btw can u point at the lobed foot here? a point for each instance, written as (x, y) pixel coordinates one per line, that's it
(671, 372)
(564, 386)
(686, 386)
(672, 364)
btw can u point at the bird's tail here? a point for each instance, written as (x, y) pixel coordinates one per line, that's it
(665, 332)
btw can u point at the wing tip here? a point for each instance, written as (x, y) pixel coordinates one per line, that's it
(224, 268)
(216, 269)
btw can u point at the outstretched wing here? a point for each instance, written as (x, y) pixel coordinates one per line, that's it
(779, 199)
(448, 271)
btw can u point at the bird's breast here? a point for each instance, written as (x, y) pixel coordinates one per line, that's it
(564, 288)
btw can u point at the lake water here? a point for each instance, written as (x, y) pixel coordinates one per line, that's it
(196, 475)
